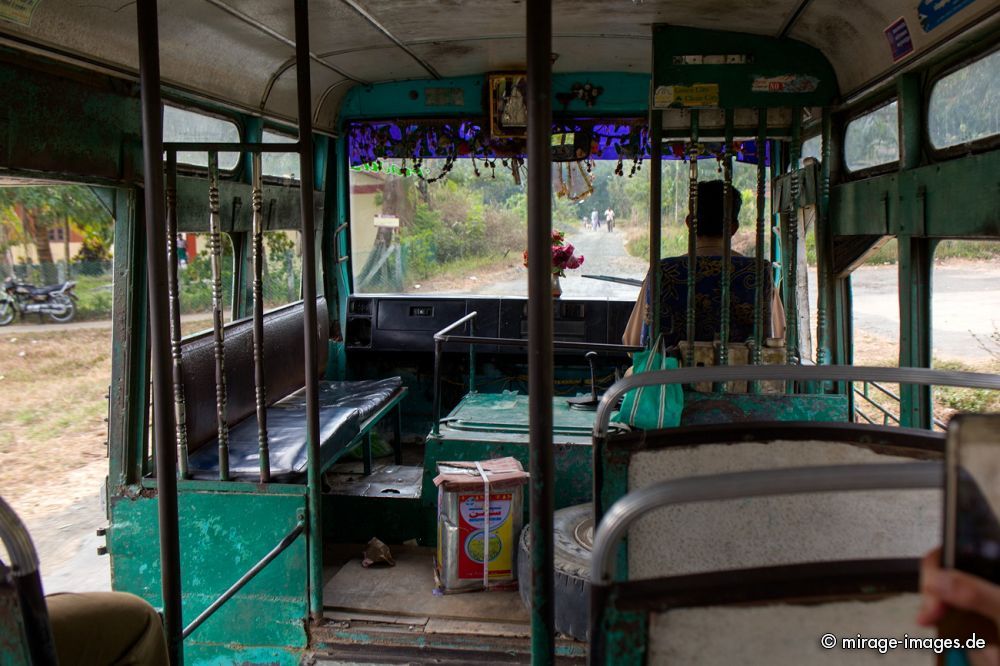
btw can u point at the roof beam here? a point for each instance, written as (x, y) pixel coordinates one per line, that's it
(786, 27)
(395, 40)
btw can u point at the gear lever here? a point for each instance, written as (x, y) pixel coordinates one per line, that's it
(583, 402)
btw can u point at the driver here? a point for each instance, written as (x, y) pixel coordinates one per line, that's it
(708, 288)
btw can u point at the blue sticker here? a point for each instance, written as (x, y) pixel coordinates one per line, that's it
(899, 39)
(933, 13)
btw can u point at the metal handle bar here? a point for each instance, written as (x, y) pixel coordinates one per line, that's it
(28, 583)
(759, 483)
(443, 336)
(844, 373)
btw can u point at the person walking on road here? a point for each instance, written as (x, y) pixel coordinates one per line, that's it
(594, 224)
(609, 219)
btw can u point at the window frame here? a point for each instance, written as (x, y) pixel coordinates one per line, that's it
(982, 144)
(197, 168)
(867, 109)
(271, 178)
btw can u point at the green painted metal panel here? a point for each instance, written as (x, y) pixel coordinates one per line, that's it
(776, 73)
(710, 408)
(222, 535)
(625, 635)
(959, 198)
(129, 388)
(487, 425)
(624, 94)
(13, 642)
(76, 123)
(226, 655)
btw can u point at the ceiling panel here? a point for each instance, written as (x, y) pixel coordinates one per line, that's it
(283, 100)
(386, 63)
(851, 33)
(332, 24)
(206, 49)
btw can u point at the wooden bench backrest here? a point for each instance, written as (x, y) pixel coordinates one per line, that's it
(284, 368)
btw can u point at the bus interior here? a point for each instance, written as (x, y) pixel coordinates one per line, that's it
(272, 479)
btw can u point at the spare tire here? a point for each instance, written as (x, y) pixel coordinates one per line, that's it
(573, 537)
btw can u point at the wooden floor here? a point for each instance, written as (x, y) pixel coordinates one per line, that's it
(404, 594)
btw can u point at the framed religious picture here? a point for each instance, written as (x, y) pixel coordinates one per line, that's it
(508, 105)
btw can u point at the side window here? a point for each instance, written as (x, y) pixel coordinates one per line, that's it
(872, 139)
(281, 165)
(963, 105)
(194, 278)
(812, 147)
(282, 282)
(184, 125)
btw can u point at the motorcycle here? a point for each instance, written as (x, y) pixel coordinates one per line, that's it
(56, 300)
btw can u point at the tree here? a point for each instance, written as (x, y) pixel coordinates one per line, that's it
(39, 208)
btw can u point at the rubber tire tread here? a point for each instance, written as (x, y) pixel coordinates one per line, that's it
(572, 572)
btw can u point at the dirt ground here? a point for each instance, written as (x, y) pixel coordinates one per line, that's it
(54, 378)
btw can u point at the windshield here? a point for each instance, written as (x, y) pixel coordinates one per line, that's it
(461, 228)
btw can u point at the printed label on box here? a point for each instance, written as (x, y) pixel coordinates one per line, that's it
(471, 530)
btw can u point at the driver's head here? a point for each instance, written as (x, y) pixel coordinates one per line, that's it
(711, 199)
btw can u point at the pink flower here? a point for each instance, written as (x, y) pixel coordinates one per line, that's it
(562, 255)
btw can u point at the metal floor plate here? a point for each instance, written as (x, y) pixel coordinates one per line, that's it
(386, 481)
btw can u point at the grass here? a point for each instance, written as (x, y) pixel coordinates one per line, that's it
(52, 415)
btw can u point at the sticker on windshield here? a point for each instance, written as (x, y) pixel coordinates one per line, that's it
(18, 11)
(932, 13)
(898, 35)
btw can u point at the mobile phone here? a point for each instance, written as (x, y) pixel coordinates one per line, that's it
(972, 496)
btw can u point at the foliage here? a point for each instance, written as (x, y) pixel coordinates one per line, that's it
(964, 399)
(93, 250)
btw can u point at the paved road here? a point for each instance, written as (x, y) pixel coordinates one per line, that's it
(966, 297)
(53, 327)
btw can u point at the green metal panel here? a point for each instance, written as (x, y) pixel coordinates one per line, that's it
(222, 535)
(755, 83)
(198, 654)
(129, 367)
(76, 123)
(959, 198)
(13, 642)
(710, 408)
(624, 94)
(486, 425)
(625, 635)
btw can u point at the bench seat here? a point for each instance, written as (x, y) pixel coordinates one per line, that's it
(348, 409)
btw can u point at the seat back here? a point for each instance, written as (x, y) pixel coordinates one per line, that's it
(776, 615)
(284, 368)
(768, 531)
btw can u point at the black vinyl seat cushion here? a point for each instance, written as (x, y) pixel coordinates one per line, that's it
(344, 407)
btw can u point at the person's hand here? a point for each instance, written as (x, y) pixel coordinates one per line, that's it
(948, 588)
(942, 588)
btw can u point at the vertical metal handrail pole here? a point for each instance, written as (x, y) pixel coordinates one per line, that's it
(159, 326)
(824, 245)
(792, 251)
(306, 168)
(472, 357)
(538, 37)
(727, 242)
(653, 284)
(173, 301)
(218, 322)
(437, 386)
(761, 268)
(257, 253)
(692, 237)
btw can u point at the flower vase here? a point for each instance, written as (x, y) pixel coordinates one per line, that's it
(556, 287)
